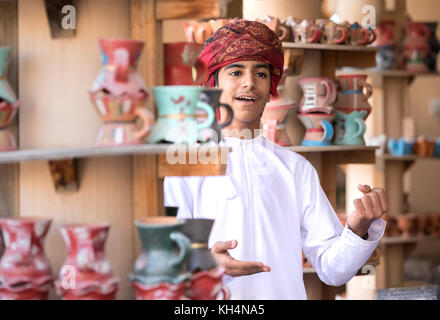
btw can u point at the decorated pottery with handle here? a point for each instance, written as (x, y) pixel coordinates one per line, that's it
(177, 122)
(319, 128)
(319, 95)
(165, 252)
(350, 128)
(119, 93)
(354, 92)
(416, 47)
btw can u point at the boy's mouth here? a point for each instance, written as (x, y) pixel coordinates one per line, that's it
(246, 98)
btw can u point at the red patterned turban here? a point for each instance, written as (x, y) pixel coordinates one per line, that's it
(243, 40)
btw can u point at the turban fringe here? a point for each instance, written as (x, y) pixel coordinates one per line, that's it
(243, 41)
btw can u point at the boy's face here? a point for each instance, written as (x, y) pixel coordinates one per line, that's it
(246, 88)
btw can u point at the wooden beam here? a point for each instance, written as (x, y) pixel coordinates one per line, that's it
(64, 175)
(192, 9)
(356, 157)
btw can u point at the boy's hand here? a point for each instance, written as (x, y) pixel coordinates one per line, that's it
(370, 207)
(233, 267)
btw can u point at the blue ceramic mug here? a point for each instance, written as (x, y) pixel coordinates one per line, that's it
(350, 128)
(177, 122)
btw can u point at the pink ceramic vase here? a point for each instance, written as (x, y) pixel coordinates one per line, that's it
(86, 273)
(25, 271)
(161, 291)
(276, 114)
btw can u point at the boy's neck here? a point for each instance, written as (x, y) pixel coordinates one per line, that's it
(242, 130)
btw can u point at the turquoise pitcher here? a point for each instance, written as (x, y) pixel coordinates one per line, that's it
(350, 128)
(165, 251)
(177, 122)
(6, 92)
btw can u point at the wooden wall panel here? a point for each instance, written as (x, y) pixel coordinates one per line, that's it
(55, 76)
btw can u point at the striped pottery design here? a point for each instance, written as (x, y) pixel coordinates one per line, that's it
(117, 134)
(351, 96)
(112, 109)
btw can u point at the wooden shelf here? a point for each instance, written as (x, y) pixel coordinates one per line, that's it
(343, 154)
(91, 152)
(386, 73)
(409, 239)
(328, 47)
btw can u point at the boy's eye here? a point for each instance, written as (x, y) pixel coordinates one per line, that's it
(262, 74)
(235, 73)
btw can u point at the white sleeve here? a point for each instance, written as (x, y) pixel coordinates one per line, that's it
(335, 252)
(177, 193)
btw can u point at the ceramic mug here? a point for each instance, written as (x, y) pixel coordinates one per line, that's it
(319, 129)
(309, 33)
(350, 128)
(211, 96)
(361, 36)
(332, 33)
(165, 252)
(161, 291)
(126, 132)
(319, 94)
(400, 147)
(177, 122)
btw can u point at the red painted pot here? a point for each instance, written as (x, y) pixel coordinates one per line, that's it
(86, 273)
(25, 271)
(207, 285)
(182, 66)
(161, 291)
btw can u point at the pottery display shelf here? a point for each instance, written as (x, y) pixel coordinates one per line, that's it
(408, 239)
(332, 57)
(377, 74)
(63, 162)
(407, 160)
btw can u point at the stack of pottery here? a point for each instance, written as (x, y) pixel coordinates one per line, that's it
(86, 273)
(182, 66)
(386, 56)
(25, 272)
(177, 119)
(282, 31)
(119, 94)
(8, 103)
(206, 275)
(416, 48)
(316, 110)
(161, 271)
(424, 147)
(211, 96)
(276, 114)
(352, 109)
(400, 147)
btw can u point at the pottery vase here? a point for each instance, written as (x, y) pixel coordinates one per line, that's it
(434, 43)
(118, 92)
(350, 128)
(25, 271)
(276, 114)
(8, 103)
(351, 96)
(319, 95)
(319, 128)
(416, 47)
(223, 115)
(165, 252)
(182, 66)
(86, 273)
